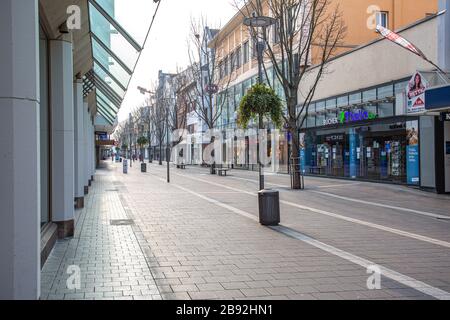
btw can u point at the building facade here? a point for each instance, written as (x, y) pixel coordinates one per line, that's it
(237, 55)
(365, 122)
(66, 66)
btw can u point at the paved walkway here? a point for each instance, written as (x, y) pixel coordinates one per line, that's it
(112, 264)
(198, 238)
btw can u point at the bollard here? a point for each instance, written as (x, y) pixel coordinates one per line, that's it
(125, 166)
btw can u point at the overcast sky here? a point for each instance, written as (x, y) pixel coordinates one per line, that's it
(166, 47)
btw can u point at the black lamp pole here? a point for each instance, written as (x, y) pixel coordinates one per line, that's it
(259, 22)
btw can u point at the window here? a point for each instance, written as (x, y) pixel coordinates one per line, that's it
(383, 19)
(232, 62)
(331, 104)
(355, 98)
(225, 66)
(238, 57)
(276, 32)
(255, 48)
(293, 14)
(370, 95)
(221, 73)
(342, 101)
(246, 52)
(385, 92)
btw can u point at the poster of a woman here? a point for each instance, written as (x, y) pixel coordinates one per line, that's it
(416, 93)
(416, 86)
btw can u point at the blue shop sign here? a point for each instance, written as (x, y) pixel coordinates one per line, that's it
(437, 98)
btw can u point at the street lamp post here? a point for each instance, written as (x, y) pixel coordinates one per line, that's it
(259, 22)
(131, 140)
(268, 200)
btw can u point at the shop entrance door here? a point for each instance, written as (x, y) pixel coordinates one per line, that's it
(383, 158)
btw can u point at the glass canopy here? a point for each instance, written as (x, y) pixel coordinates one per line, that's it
(119, 29)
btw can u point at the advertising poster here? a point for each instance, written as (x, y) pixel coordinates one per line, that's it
(415, 94)
(412, 152)
(353, 154)
(302, 153)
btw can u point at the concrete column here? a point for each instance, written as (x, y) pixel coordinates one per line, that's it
(61, 66)
(444, 36)
(19, 151)
(91, 151)
(85, 149)
(79, 151)
(93, 157)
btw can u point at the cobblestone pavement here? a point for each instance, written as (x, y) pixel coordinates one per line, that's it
(198, 238)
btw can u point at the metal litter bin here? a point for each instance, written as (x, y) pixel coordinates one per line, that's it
(143, 167)
(269, 207)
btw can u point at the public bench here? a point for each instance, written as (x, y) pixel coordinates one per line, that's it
(222, 171)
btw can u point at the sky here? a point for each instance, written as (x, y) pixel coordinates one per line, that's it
(166, 47)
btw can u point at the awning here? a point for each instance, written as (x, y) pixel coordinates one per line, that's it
(118, 31)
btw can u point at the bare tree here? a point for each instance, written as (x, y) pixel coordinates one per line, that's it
(158, 120)
(205, 71)
(206, 74)
(307, 33)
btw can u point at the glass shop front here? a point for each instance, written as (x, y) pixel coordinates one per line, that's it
(376, 151)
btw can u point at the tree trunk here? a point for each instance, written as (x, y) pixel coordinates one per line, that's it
(295, 155)
(160, 153)
(295, 161)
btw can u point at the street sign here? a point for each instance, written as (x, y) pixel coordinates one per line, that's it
(445, 116)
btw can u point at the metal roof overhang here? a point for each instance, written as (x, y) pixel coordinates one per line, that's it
(106, 48)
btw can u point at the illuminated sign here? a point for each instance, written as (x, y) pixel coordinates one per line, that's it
(351, 116)
(360, 115)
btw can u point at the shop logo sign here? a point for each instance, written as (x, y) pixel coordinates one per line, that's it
(360, 115)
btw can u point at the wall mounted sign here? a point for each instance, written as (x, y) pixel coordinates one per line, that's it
(335, 138)
(351, 116)
(354, 116)
(445, 116)
(412, 153)
(415, 93)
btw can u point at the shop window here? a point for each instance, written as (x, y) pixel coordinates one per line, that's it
(311, 121)
(401, 87)
(320, 106)
(370, 95)
(320, 119)
(385, 92)
(372, 108)
(355, 98)
(45, 128)
(385, 110)
(331, 104)
(331, 114)
(342, 101)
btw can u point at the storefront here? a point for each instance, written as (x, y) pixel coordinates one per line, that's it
(363, 136)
